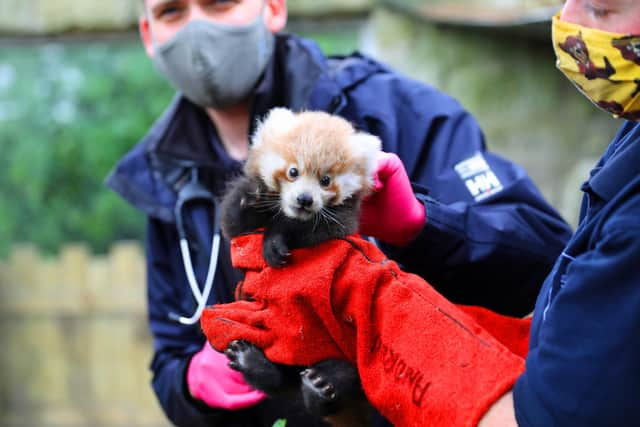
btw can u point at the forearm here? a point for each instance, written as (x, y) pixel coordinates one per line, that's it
(486, 221)
(500, 414)
(504, 249)
(425, 386)
(407, 376)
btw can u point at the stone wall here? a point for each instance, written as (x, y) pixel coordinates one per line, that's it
(74, 338)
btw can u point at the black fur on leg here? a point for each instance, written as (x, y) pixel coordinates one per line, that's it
(329, 386)
(259, 372)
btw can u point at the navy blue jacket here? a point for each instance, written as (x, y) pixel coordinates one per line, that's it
(489, 238)
(583, 363)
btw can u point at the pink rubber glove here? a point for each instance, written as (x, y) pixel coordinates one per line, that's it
(212, 381)
(392, 213)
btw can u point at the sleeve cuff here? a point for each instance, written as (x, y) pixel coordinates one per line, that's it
(197, 407)
(442, 228)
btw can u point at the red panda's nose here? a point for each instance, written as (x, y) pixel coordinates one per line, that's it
(304, 200)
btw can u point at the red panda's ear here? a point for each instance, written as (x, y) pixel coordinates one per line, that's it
(278, 121)
(366, 148)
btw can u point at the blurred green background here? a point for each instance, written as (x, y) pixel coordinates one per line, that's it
(68, 111)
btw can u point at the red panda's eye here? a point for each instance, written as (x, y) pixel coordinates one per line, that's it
(325, 181)
(293, 173)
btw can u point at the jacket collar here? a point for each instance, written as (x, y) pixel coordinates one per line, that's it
(620, 165)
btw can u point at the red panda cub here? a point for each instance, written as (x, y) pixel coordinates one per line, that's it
(305, 177)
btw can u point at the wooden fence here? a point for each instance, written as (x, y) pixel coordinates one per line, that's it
(75, 346)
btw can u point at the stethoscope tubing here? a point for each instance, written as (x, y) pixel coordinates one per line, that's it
(190, 192)
(201, 298)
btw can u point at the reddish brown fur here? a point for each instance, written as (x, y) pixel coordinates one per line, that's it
(320, 140)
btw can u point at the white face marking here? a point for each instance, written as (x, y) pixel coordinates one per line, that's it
(271, 162)
(367, 147)
(349, 184)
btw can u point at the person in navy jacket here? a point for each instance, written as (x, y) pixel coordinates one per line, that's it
(485, 236)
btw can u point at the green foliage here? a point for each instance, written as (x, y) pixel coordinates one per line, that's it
(68, 112)
(280, 423)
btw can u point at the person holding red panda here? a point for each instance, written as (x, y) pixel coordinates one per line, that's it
(470, 222)
(581, 366)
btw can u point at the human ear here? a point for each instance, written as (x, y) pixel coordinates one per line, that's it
(275, 15)
(144, 28)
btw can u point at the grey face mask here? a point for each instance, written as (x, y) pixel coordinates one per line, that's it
(215, 65)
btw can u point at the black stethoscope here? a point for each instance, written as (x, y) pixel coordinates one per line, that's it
(191, 192)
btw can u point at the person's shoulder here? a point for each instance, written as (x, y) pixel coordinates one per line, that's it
(623, 217)
(620, 214)
(401, 90)
(624, 205)
(629, 129)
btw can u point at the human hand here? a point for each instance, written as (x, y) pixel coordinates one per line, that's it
(392, 213)
(212, 381)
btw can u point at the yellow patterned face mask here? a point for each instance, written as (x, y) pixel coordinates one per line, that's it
(604, 66)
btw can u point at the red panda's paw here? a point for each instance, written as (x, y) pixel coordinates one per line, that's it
(275, 250)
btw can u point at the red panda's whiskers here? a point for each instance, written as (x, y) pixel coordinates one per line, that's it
(316, 220)
(267, 203)
(328, 215)
(270, 196)
(278, 212)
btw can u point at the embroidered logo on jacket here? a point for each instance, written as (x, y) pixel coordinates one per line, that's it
(478, 177)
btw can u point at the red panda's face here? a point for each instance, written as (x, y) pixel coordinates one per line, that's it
(306, 191)
(313, 160)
